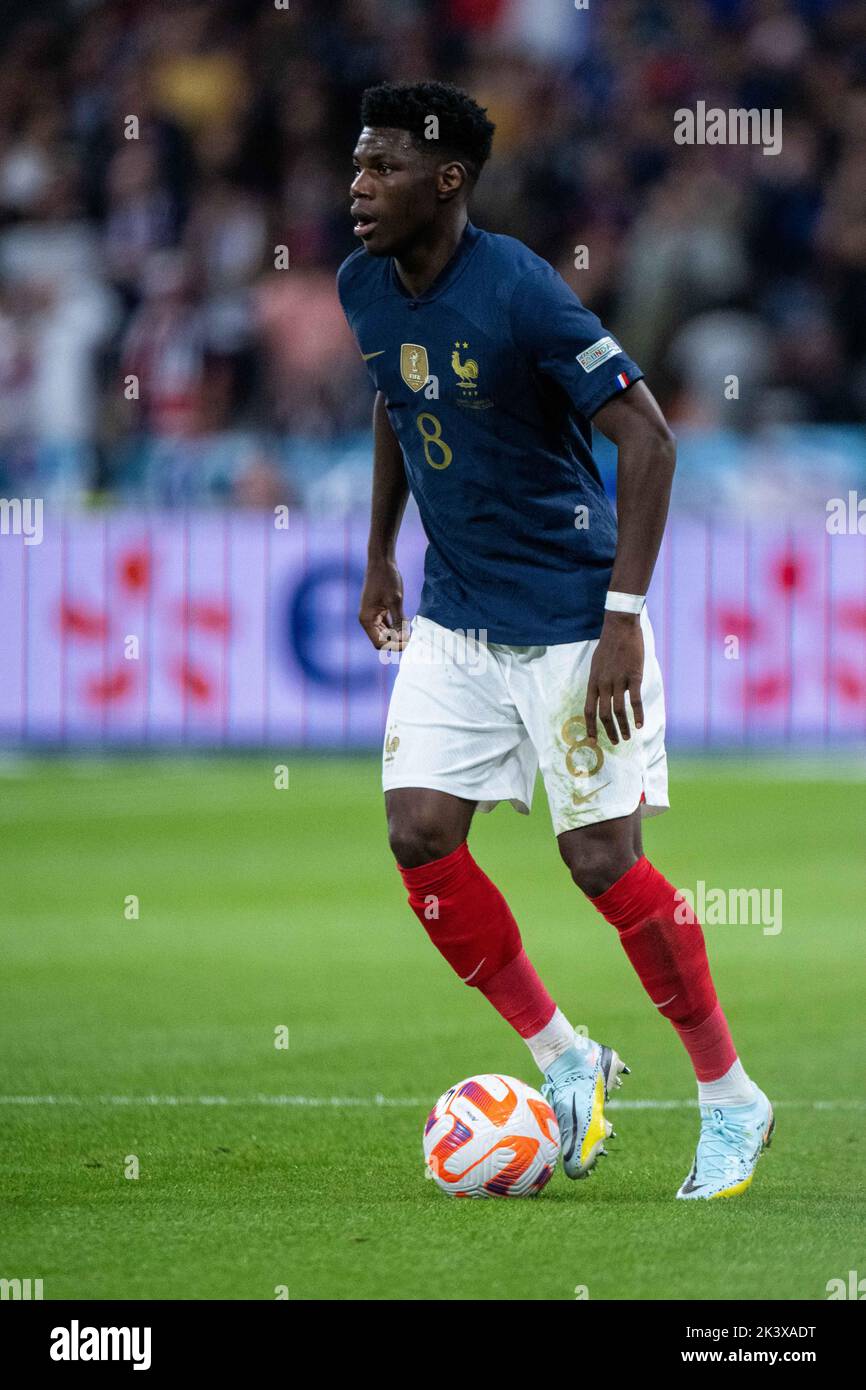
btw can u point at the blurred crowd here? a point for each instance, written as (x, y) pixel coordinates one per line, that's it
(173, 206)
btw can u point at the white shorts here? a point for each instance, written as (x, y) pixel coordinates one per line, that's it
(478, 719)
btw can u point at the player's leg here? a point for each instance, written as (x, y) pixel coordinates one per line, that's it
(425, 825)
(466, 916)
(597, 793)
(665, 944)
(455, 744)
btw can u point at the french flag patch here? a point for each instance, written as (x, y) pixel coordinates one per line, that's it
(623, 380)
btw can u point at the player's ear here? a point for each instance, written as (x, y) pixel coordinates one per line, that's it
(450, 179)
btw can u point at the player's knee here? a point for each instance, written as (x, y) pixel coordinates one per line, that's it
(417, 838)
(596, 865)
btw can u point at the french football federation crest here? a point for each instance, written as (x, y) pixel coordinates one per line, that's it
(414, 367)
(466, 372)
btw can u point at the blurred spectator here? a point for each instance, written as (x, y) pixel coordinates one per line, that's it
(153, 160)
(140, 216)
(60, 313)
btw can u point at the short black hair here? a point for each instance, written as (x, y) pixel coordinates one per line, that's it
(464, 130)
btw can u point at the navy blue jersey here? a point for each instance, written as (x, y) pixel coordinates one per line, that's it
(490, 379)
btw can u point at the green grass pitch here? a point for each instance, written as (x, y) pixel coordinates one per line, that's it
(261, 907)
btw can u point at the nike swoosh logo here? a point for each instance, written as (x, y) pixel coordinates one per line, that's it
(689, 1186)
(580, 797)
(571, 1147)
(365, 356)
(467, 978)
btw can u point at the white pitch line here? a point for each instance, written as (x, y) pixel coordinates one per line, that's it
(368, 1102)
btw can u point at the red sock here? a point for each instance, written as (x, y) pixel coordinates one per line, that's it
(665, 944)
(470, 923)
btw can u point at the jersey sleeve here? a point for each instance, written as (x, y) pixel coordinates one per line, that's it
(345, 295)
(344, 278)
(567, 342)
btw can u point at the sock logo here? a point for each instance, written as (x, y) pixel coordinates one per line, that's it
(467, 979)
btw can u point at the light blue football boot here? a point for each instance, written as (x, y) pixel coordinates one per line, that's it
(577, 1085)
(732, 1140)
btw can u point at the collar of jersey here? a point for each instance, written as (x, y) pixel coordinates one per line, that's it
(449, 272)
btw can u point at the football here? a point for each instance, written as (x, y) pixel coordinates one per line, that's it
(491, 1136)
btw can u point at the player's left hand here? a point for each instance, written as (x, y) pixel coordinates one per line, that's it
(616, 669)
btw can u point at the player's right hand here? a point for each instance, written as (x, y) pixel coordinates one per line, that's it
(381, 610)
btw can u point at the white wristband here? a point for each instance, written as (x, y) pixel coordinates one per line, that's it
(624, 603)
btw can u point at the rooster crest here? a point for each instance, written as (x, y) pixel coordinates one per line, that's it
(466, 372)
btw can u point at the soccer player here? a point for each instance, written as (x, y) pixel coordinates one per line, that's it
(532, 646)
